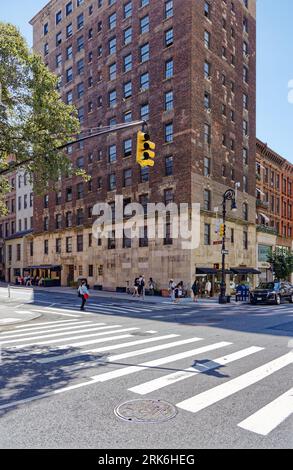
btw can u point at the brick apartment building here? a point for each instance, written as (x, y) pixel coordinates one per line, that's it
(274, 183)
(188, 68)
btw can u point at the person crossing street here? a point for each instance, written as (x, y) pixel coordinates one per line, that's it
(84, 294)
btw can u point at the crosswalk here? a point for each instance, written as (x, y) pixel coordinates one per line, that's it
(153, 361)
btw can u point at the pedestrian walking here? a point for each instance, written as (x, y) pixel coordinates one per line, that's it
(83, 292)
(208, 288)
(172, 286)
(141, 286)
(151, 286)
(135, 287)
(195, 291)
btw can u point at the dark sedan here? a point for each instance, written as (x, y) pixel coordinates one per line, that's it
(272, 292)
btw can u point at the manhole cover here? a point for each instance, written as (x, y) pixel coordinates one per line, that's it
(146, 411)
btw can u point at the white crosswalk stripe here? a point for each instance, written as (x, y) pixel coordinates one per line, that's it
(87, 344)
(214, 395)
(268, 418)
(169, 379)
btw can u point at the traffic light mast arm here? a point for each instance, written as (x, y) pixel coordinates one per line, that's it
(102, 131)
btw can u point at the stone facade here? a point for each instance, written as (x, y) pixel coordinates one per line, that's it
(213, 135)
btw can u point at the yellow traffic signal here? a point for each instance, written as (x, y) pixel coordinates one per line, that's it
(145, 150)
(222, 230)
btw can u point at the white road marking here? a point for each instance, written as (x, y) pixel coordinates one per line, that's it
(216, 394)
(44, 330)
(157, 362)
(170, 379)
(45, 323)
(270, 416)
(106, 348)
(161, 347)
(58, 313)
(95, 341)
(50, 341)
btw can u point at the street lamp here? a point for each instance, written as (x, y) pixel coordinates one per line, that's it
(229, 195)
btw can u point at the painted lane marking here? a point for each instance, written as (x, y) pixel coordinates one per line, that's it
(158, 362)
(170, 379)
(43, 331)
(216, 394)
(270, 416)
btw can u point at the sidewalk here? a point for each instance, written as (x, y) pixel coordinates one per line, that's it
(13, 317)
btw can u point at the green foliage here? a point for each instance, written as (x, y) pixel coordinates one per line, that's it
(34, 121)
(282, 263)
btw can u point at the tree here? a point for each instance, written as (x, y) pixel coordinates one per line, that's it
(282, 263)
(34, 121)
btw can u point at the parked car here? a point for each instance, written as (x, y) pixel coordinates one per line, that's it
(274, 292)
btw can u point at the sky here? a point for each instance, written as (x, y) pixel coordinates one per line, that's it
(274, 65)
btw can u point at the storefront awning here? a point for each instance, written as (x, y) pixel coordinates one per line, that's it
(245, 271)
(206, 271)
(52, 267)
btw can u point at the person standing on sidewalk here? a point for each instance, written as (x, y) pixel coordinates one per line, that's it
(172, 286)
(195, 291)
(208, 288)
(151, 286)
(84, 294)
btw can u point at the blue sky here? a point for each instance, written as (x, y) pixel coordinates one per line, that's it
(274, 65)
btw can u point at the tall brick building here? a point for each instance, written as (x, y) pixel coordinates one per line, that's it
(188, 68)
(274, 203)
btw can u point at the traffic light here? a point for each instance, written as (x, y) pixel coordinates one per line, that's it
(145, 150)
(222, 230)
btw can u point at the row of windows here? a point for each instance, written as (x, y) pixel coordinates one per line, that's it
(207, 204)
(10, 227)
(208, 237)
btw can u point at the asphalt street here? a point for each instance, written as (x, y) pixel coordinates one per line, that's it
(225, 371)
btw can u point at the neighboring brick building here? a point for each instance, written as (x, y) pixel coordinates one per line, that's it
(274, 202)
(186, 67)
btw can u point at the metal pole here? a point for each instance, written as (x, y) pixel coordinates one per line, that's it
(223, 299)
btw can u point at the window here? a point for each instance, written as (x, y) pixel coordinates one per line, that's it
(79, 217)
(80, 67)
(58, 39)
(25, 201)
(144, 24)
(245, 184)
(31, 199)
(69, 75)
(207, 70)
(245, 211)
(79, 243)
(68, 244)
(80, 191)
(144, 52)
(127, 177)
(245, 74)
(58, 17)
(245, 101)
(245, 128)
(127, 147)
(112, 154)
(127, 117)
(111, 241)
(127, 90)
(207, 199)
(143, 241)
(80, 44)
(245, 240)
(207, 234)
(112, 182)
(46, 247)
(207, 39)
(46, 201)
(144, 81)
(169, 68)
(144, 174)
(80, 114)
(143, 200)
(127, 36)
(112, 71)
(245, 156)
(80, 90)
(144, 3)
(169, 9)
(69, 53)
(80, 21)
(46, 28)
(169, 132)
(207, 166)
(169, 37)
(58, 60)
(58, 221)
(169, 166)
(207, 100)
(127, 10)
(112, 21)
(69, 8)
(169, 104)
(207, 10)
(127, 63)
(112, 46)
(46, 224)
(46, 49)
(144, 111)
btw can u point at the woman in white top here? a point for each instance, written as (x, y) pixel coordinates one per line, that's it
(84, 293)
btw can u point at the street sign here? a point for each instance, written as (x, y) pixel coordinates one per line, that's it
(225, 252)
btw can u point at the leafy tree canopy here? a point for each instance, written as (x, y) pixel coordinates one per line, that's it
(282, 263)
(34, 121)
